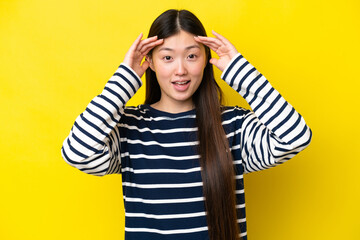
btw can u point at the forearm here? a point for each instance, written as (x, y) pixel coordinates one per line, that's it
(90, 144)
(274, 132)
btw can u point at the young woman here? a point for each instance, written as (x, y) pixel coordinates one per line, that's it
(182, 155)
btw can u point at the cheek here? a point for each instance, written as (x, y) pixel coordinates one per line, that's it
(198, 69)
(162, 70)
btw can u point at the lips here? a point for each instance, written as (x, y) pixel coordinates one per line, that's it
(181, 82)
(181, 85)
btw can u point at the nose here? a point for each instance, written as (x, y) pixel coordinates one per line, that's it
(181, 68)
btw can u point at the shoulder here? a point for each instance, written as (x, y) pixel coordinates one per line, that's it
(135, 112)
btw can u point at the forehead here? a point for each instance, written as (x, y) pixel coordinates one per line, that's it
(181, 41)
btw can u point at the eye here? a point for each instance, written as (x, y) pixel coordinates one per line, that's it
(192, 56)
(167, 58)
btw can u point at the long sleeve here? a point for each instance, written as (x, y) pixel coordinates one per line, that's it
(93, 143)
(273, 132)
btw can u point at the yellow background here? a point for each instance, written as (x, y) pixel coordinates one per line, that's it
(55, 56)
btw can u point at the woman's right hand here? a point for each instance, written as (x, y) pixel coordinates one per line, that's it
(138, 50)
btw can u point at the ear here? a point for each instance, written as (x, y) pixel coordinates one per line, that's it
(149, 59)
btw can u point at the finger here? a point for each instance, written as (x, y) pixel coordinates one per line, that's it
(136, 42)
(222, 38)
(146, 48)
(219, 36)
(224, 45)
(213, 40)
(213, 61)
(212, 45)
(146, 41)
(217, 63)
(130, 53)
(208, 41)
(145, 65)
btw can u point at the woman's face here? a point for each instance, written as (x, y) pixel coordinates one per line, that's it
(179, 65)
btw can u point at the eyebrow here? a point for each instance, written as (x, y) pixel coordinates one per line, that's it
(187, 48)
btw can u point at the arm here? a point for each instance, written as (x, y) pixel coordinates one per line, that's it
(93, 143)
(273, 132)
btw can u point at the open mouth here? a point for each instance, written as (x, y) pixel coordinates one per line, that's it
(181, 85)
(181, 82)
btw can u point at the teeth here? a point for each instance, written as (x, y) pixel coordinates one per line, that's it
(182, 83)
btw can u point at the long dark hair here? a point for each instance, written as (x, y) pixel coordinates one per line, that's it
(215, 157)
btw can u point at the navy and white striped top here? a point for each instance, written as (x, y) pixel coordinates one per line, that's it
(156, 152)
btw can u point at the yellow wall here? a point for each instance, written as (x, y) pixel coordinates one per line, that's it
(55, 56)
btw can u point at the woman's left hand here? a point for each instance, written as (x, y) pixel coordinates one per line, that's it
(221, 46)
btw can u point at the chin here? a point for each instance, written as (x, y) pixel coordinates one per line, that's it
(183, 99)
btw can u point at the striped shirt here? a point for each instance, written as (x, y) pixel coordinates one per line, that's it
(156, 151)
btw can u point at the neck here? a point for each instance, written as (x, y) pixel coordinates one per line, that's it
(173, 106)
